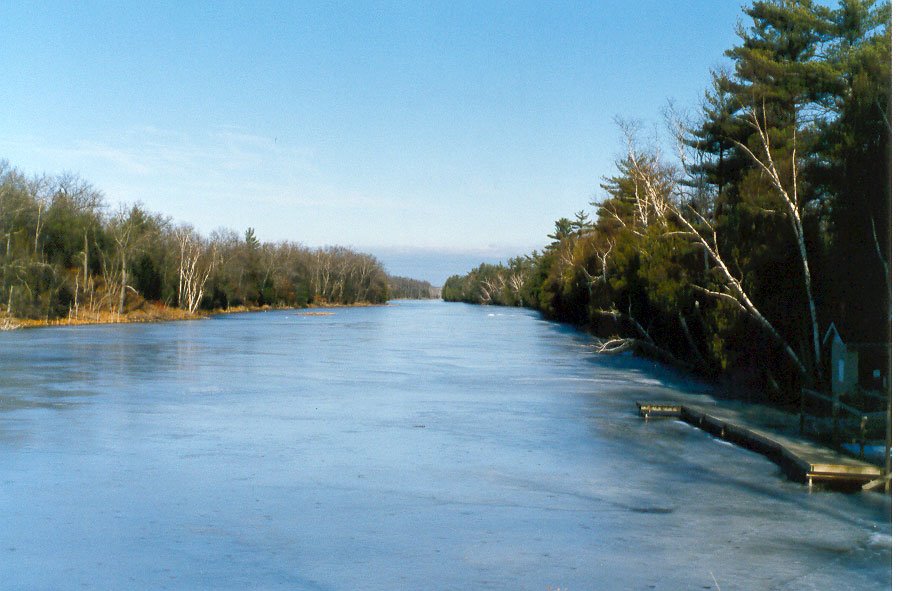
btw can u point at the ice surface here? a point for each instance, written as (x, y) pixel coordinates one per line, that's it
(417, 446)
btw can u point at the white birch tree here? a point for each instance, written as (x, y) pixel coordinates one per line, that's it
(196, 262)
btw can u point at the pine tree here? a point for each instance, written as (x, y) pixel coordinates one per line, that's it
(859, 140)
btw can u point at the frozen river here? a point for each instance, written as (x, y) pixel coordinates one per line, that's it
(421, 445)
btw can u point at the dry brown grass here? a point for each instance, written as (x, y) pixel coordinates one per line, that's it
(149, 312)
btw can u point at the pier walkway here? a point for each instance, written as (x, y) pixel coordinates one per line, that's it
(801, 459)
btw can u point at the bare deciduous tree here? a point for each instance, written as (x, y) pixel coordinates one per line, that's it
(196, 261)
(789, 196)
(670, 206)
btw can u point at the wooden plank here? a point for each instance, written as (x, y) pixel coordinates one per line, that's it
(801, 459)
(652, 409)
(874, 484)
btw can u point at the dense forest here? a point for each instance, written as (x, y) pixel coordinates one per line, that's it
(405, 288)
(771, 218)
(65, 254)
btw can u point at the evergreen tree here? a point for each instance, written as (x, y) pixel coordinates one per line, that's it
(859, 141)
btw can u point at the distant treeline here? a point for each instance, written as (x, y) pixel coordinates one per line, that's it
(772, 220)
(403, 288)
(64, 254)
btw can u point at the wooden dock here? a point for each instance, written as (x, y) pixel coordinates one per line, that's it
(802, 460)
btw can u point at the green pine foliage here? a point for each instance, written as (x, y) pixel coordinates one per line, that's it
(705, 264)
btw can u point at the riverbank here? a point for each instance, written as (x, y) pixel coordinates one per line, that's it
(151, 312)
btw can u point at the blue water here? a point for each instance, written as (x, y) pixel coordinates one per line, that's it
(421, 445)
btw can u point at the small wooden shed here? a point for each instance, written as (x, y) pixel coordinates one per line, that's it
(853, 364)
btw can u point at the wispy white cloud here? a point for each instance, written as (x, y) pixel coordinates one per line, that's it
(234, 177)
(227, 161)
(229, 176)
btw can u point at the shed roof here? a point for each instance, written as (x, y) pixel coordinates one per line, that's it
(852, 338)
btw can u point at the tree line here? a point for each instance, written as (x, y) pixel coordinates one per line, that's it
(66, 254)
(772, 219)
(410, 289)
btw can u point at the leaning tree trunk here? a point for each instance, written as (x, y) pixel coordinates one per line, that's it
(790, 198)
(121, 301)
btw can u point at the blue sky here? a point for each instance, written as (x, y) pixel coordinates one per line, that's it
(446, 130)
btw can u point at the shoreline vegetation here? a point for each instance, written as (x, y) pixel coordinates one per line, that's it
(152, 312)
(66, 257)
(768, 225)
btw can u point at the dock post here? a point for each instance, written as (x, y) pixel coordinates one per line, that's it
(888, 450)
(835, 433)
(863, 435)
